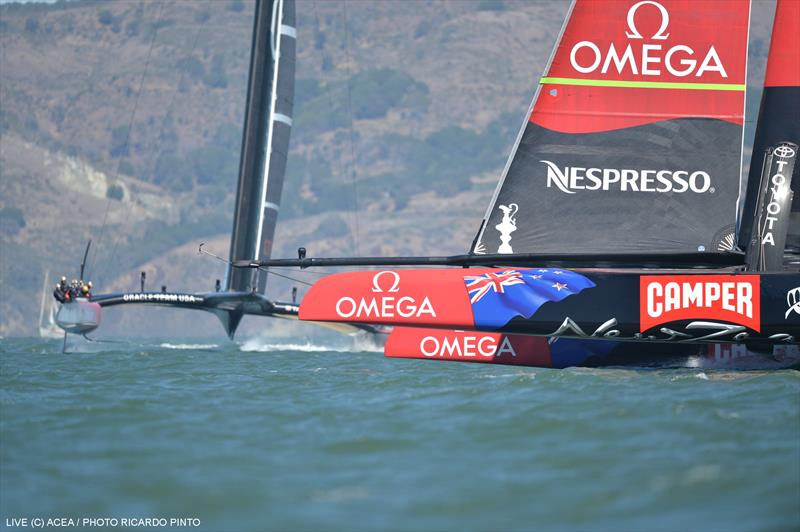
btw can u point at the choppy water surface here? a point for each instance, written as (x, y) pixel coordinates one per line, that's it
(298, 437)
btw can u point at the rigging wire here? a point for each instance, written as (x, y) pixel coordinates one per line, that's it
(130, 127)
(350, 116)
(157, 152)
(331, 105)
(260, 268)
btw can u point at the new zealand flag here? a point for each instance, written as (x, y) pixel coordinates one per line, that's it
(497, 297)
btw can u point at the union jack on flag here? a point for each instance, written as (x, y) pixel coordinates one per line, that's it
(497, 297)
(480, 285)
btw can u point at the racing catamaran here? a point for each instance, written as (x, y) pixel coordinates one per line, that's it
(265, 145)
(616, 234)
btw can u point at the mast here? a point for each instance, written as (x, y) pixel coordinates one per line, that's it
(265, 141)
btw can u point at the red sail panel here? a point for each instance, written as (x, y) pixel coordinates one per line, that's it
(468, 346)
(783, 66)
(621, 64)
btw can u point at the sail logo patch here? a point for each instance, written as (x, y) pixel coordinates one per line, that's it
(728, 298)
(384, 306)
(637, 58)
(570, 179)
(779, 190)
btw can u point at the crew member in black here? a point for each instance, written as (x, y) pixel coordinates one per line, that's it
(62, 293)
(58, 294)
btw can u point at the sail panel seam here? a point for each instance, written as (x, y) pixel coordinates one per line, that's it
(643, 84)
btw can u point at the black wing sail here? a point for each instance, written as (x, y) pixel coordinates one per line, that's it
(633, 141)
(265, 142)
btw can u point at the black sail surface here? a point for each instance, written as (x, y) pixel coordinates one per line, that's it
(633, 141)
(265, 142)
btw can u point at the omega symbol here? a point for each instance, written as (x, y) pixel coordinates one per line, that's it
(634, 33)
(395, 286)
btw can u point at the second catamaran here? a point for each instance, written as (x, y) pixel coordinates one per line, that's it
(265, 145)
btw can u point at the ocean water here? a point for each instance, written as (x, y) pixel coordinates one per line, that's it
(299, 437)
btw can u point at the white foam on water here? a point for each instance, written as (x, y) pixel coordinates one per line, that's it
(260, 345)
(356, 343)
(188, 346)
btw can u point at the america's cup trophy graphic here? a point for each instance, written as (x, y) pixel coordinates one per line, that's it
(507, 226)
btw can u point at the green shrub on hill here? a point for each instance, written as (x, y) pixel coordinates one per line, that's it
(216, 77)
(115, 192)
(372, 94)
(105, 17)
(375, 92)
(172, 172)
(31, 25)
(211, 163)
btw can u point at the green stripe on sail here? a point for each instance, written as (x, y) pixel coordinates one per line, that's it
(644, 84)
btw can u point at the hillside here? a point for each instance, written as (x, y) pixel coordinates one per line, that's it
(121, 121)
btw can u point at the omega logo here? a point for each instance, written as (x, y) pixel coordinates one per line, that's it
(634, 33)
(376, 285)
